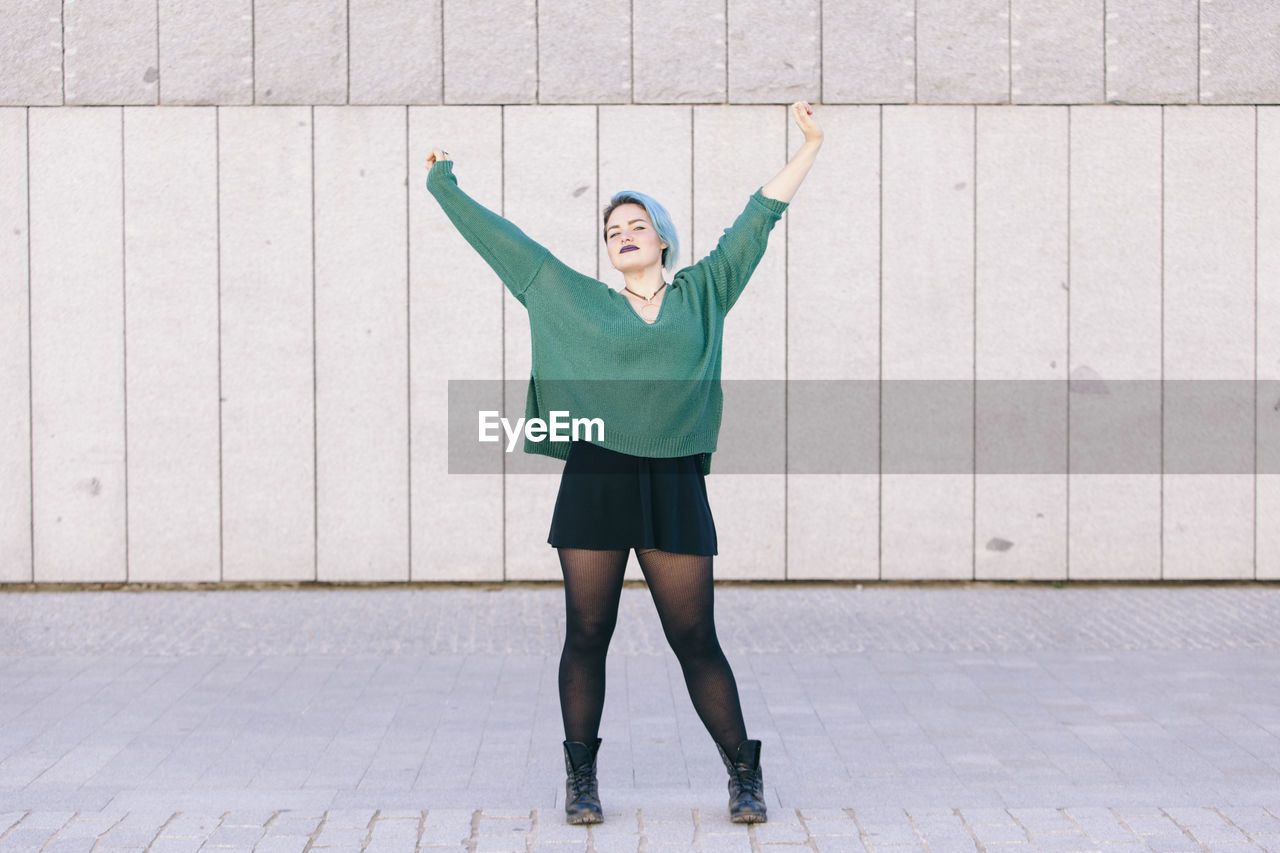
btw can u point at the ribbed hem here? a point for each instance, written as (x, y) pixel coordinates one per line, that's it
(666, 447)
(439, 170)
(775, 206)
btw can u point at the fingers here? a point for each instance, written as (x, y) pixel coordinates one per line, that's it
(437, 154)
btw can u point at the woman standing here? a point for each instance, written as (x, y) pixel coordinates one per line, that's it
(645, 360)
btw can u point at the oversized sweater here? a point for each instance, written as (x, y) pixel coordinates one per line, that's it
(654, 386)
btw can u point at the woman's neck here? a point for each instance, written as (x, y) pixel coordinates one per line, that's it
(645, 282)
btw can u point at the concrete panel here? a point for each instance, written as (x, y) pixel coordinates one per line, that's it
(362, 417)
(927, 334)
(869, 51)
(584, 53)
(207, 52)
(1239, 61)
(1268, 403)
(833, 334)
(1209, 332)
(396, 52)
(110, 52)
(1057, 52)
(300, 51)
(31, 53)
(962, 52)
(456, 305)
(678, 53)
(15, 352)
(268, 370)
(774, 51)
(1020, 526)
(77, 345)
(1113, 518)
(171, 327)
(736, 151)
(491, 52)
(629, 161)
(550, 192)
(1151, 51)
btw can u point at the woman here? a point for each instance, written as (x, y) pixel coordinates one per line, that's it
(645, 360)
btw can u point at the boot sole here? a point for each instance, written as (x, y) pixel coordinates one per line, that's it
(749, 818)
(581, 819)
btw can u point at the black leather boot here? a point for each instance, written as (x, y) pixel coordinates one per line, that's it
(746, 783)
(581, 799)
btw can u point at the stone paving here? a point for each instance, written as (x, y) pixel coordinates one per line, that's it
(973, 717)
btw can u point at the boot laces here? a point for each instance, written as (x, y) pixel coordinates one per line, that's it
(749, 780)
(584, 780)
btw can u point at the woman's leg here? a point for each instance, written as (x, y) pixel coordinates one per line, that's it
(682, 590)
(592, 588)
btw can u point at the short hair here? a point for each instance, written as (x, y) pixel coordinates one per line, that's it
(657, 215)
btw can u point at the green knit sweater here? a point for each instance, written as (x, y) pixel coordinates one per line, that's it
(655, 386)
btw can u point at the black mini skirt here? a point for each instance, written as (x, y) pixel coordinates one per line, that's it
(610, 501)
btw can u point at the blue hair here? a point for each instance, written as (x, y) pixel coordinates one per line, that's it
(657, 215)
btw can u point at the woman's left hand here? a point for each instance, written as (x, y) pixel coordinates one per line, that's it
(803, 113)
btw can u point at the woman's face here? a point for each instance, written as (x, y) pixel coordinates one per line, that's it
(633, 243)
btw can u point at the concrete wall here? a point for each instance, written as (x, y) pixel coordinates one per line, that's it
(229, 308)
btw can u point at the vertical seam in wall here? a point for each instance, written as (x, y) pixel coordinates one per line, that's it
(821, 79)
(1105, 98)
(502, 318)
(62, 23)
(598, 205)
(408, 352)
(348, 51)
(158, 52)
(1198, 47)
(124, 341)
(915, 74)
(217, 201)
(631, 49)
(973, 390)
(253, 52)
(880, 363)
(1067, 366)
(537, 98)
(442, 66)
(31, 412)
(1255, 342)
(315, 414)
(726, 52)
(1009, 49)
(1162, 472)
(786, 366)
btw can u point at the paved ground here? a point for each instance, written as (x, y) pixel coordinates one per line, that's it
(981, 717)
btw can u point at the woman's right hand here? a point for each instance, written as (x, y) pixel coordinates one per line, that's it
(437, 154)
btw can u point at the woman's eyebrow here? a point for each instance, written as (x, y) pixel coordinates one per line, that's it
(616, 225)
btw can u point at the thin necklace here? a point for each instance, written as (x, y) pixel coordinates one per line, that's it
(648, 303)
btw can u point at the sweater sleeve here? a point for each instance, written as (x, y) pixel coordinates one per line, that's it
(730, 264)
(512, 254)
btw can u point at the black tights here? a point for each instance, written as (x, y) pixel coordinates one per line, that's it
(682, 590)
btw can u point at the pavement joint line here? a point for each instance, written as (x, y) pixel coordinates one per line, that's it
(154, 823)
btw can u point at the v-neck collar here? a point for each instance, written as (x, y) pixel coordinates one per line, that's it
(661, 306)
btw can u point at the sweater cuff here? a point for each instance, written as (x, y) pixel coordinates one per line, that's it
(774, 205)
(439, 169)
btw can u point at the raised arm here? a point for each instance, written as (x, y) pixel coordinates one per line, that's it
(511, 253)
(783, 186)
(730, 264)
